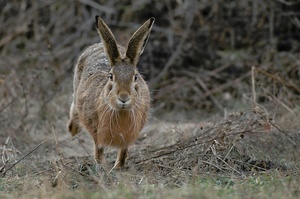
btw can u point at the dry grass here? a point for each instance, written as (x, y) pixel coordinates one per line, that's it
(245, 149)
(227, 129)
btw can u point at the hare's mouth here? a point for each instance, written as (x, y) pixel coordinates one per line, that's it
(123, 104)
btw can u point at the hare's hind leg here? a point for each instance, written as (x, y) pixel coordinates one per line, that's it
(122, 155)
(73, 124)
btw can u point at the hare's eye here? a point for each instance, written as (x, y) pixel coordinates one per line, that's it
(135, 77)
(111, 76)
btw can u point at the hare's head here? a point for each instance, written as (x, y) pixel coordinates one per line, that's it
(124, 86)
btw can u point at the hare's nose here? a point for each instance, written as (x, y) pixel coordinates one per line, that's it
(124, 97)
(124, 100)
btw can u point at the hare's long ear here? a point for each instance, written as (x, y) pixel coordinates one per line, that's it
(138, 41)
(108, 40)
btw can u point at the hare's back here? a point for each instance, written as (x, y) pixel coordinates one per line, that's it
(89, 80)
(94, 59)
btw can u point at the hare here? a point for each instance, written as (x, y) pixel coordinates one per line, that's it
(111, 100)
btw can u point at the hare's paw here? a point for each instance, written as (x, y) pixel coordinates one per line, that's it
(121, 159)
(73, 127)
(99, 151)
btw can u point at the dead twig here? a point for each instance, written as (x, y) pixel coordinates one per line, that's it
(176, 53)
(279, 79)
(224, 86)
(253, 84)
(7, 105)
(4, 157)
(98, 6)
(14, 164)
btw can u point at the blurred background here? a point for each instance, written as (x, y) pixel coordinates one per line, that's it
(197, 62)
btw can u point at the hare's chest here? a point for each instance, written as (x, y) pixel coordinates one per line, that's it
(119, 130)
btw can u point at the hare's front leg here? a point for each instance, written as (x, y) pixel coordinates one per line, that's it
(73, 125)
(99, 150)
(122, 155)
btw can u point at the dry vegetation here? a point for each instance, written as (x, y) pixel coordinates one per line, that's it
(224, 77)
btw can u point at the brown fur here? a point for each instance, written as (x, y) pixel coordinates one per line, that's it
(111, 100)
